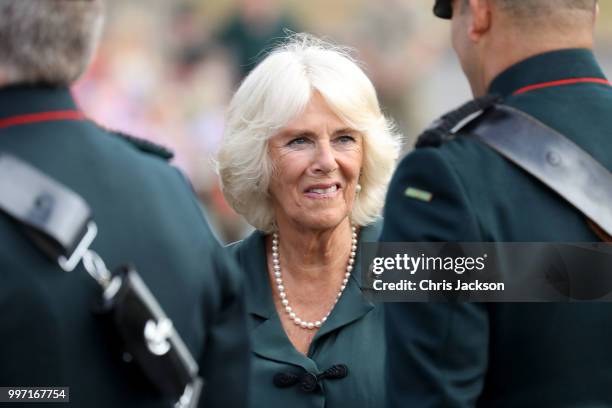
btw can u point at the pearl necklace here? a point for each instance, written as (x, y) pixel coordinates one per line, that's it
(281, 289)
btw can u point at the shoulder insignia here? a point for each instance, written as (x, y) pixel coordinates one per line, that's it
(146, 146)
(443, 129)
(418, 194)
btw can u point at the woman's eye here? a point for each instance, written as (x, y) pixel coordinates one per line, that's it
(297, 141)
(346, 139)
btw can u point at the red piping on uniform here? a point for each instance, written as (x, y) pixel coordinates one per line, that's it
(562, 82)
(41, 117)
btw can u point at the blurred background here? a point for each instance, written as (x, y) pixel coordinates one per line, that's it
(166, 70)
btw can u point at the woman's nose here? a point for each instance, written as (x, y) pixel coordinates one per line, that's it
(324, 161)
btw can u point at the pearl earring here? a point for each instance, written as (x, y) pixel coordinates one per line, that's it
(358, 188)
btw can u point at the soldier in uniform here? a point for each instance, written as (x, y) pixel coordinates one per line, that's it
(146, 215)
(537, 56)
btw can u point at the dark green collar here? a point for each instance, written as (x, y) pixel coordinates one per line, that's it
(551, 66)
(27, 99)
(252, 258)
(268, 338)
(252, 252)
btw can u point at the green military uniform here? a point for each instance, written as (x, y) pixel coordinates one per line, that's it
(503, 355)
(353, 335)
(146, 215)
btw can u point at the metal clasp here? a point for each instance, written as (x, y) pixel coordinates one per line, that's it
(96, 268)
(70, 263)
(191, 394)
(157, 335)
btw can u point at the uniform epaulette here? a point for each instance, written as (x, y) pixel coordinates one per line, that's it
(441, 130)
(146, 146)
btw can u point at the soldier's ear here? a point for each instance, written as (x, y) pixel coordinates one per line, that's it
(480, 25)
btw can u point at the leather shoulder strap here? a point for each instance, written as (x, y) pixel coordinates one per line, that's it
(552, 158)
(56, 217)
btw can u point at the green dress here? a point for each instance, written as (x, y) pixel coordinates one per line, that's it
(503, 355)
(352, 335)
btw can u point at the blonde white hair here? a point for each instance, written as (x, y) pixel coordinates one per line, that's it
(278, 90)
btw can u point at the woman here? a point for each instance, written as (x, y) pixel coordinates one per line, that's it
(306, 158)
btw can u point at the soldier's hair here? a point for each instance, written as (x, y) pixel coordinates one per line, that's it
(48, 41)
(538, 8)
(532, 15)
(527, 8)
(277, 90)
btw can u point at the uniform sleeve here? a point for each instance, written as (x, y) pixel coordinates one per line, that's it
(437, 352)
(225, 365)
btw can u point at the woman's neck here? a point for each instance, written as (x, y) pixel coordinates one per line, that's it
(311, 254)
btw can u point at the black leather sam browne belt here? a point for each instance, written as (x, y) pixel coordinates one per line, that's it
(59, 223)
(553, 159)
(545, 154)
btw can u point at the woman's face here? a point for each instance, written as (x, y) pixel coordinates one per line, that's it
(317, 160)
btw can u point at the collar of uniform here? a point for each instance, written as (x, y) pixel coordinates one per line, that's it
(550, 66)
(27, 99)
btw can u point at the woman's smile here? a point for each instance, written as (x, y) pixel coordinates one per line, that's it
(323, 191)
